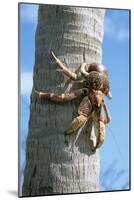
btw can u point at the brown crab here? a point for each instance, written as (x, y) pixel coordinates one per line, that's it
(95, 86)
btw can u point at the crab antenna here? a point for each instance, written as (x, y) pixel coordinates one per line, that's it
(66, 71)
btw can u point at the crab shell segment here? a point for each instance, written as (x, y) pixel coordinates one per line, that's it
(96, 76)
(99, 81)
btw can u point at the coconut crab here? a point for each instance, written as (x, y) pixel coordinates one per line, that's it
(95, 86)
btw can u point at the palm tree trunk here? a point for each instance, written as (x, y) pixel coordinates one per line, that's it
(55, 163)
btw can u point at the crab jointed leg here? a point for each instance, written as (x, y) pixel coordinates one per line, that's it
(100, 125)
(84, 112)
(75, 124)
(108, 118)
(66, 71)
(67, 96)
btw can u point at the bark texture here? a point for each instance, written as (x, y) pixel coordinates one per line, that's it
(56, 163)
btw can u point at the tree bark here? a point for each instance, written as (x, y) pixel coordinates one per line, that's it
(56, 163)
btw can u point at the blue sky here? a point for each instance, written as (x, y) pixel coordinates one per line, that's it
(115, 151)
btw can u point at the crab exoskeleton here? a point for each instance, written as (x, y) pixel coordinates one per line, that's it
(95, 87)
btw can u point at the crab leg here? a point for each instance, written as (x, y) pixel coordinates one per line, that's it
(101, 127)
(76, 124)
(67, 96)
(84, 112)
(66, 71)
(108, 118)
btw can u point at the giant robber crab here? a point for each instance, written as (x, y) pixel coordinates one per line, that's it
(95, 82)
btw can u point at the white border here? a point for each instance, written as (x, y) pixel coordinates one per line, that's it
(9, 98)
